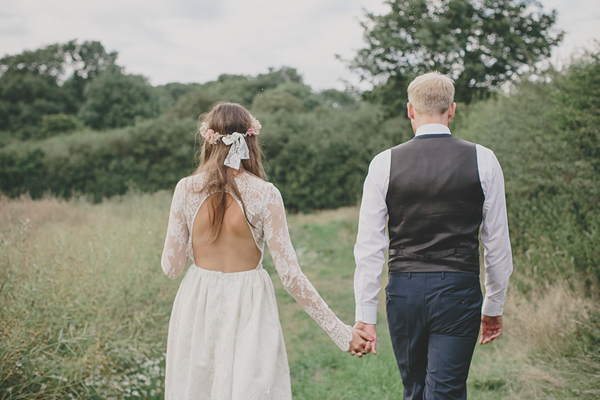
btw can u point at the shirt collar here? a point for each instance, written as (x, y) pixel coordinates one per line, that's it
(429, 129)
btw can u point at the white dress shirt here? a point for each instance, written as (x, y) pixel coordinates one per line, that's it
(372, 240)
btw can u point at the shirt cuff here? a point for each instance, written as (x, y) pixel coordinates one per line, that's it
(492, 308)
(366, 314)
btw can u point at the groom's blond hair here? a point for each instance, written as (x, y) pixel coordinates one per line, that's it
(431, 93)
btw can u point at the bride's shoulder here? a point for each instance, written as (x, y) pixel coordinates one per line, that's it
(264, 188)
(272, 194)
(190, 183)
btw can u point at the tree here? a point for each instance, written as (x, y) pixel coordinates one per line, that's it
(114, 99)
(169, 94)
(47, 81)
(71, 63)
(25, 97)
(238, 89)
(480, 43)
(276, 77)
(55, 124)
(290, 96)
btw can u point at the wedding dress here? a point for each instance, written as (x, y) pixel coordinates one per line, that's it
(225, 339)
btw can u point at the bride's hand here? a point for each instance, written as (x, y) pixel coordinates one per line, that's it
(359, 342)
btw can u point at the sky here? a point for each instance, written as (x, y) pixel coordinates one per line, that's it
(197, 40)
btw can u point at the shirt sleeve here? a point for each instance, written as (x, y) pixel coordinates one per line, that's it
(174, 256)
(497, 256)
(293, 279)
(372, 239)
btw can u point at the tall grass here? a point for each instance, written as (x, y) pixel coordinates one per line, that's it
(85, 309)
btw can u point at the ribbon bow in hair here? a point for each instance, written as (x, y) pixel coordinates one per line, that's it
(238, 151)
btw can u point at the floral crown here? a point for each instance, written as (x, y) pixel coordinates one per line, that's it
(213, 137)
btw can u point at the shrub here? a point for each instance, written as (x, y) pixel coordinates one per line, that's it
(546, 137)
(55, 124)
(150, 156)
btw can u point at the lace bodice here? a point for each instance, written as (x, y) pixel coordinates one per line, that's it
(266, 212)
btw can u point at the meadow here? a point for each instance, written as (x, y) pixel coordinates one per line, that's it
(85, 309)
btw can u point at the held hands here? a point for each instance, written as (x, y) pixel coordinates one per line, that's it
(491, 328)
(364, 339)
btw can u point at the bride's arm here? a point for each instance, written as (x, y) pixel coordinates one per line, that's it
(174, 256)
(292, 277)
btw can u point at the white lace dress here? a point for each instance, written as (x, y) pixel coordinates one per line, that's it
(225, 339)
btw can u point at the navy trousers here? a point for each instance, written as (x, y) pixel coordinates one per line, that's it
(434, 320)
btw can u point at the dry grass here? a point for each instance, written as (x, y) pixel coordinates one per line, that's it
(325, 216)
(84, 311)
(74, 294)
(541, 339)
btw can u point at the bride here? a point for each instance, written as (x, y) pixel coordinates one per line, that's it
(225, 339)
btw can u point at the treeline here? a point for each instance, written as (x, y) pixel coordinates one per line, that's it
(110, 132)
(317, 159)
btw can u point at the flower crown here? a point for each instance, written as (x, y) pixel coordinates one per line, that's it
(213, 137)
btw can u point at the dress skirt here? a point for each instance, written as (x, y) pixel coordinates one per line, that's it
(225, 340)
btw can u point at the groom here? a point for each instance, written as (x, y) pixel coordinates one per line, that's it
(437, 191)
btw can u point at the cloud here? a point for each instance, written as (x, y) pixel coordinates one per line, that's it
(12, 25)
(196, 40)
(199, 9)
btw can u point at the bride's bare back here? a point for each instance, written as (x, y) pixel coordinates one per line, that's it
(234, 250)
(240, 246)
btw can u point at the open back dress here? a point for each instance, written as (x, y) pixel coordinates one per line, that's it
(225, 340)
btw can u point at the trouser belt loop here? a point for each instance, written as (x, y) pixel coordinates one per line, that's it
(443, 274)
(409, 275)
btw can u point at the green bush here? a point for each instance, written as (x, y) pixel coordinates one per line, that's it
(546, 136)
(55, 124)
(114, 99)
(318, 159)
(150, 156)
(273, 102)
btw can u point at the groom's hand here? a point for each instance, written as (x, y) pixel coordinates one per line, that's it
(369, 329)
(491, 328)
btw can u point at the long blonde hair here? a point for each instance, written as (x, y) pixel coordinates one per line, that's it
(225, 118)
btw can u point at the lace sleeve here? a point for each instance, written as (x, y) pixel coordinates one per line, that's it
(174, 256)
(292, 277)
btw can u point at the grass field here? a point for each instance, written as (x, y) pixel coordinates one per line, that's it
(85, 308)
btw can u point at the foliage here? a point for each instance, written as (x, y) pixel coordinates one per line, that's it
(273, 102)
(25, 98)
(150, 156)
(546, 137)
(236, 88)
(115, 99)
(45, 81)
(71, 60)
(169, 94)
(292, 97)
(481, 44)
(319, 160)
(55, 124)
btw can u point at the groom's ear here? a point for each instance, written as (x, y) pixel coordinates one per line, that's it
(410, 111)
(451, 111)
